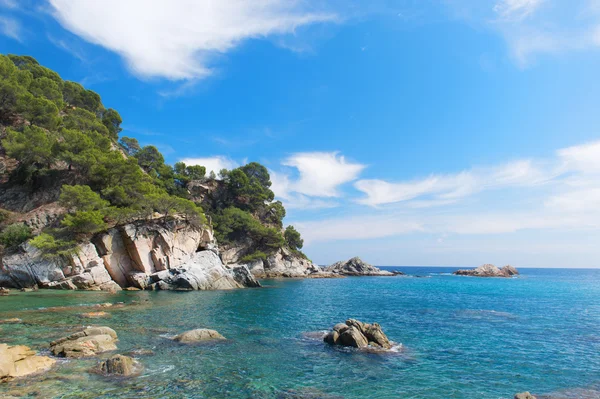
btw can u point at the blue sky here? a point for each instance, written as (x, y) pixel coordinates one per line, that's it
(432, 132)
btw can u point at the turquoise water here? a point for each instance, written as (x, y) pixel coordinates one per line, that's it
(461, 337)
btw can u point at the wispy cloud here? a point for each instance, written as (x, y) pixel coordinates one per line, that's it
(442, 189)
(517, 9)
(11, 27)
(178, 39)
(69, 47)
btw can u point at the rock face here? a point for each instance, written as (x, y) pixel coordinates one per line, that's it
(85, 343)
(357, 334)
(19, 361)
(198, 335)
(357, 267)
(155, 254)
(524, 395)
(120, 365)
(488, 271)
(282, 263)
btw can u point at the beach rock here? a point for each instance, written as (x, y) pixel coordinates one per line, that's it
(357, 334)
(524, 395)
(19, 361)
(120, 365)
(94, 315)
(4, 291)
(198, 335)
(12, 320)
(85, 343)
(357, 267)
(488, 270)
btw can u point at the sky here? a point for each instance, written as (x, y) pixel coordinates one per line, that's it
(407, 132)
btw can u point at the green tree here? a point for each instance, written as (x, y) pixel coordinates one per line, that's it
(293, 239)
(81, 198)
(149, 158)
(32, 145)
(130, 145)
(14, 235)
(84, 222)
(112, 120)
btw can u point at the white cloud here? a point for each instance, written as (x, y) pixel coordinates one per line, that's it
(214, 164)
(516, 9)
(177, 39)
(10, 27)
(444, 189)
(9, 3)
(584, 158)
(321, 173)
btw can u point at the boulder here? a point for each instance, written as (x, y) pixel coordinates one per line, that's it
(4, 291)
(85, 343)
(120, 365)
(19, 361)
(488, 270)
(357, 267)
(198, 335)
(357, 334)
(524, 395)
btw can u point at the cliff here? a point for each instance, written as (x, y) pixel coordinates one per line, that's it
(157, 254)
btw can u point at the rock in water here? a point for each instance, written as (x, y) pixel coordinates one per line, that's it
(488, 270)
(524, 395)
(357, 334)
(19, 361)
(198, 335)
(86, 343)
(120, 365)
(357, 267)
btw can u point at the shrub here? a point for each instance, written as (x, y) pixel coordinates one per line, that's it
(254, 256)
(85, 222)
(52, 246)
(14, 235)
(4, 215)
(293, 238)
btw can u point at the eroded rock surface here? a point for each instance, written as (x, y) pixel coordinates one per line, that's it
(524, 395)
(488, 270)
(85, 343)
(20, 361)
(120, 365)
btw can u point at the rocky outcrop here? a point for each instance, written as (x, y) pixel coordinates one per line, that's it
(158, 254)
(489, 271)
(85, 343)
(198, 335)
(357, 267)
(357, 334)
(20, 361)
(524, 395)
(282, 263)
(120, 365)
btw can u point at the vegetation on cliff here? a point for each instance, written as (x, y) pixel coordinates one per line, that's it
(59, 133)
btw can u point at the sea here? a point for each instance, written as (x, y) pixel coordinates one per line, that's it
(455, 337)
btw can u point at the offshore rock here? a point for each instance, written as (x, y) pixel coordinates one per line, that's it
(357, 267)
(120, 365)
(524, 395)
(488, 270)
(357, 334)
(198, 335)
(20, 361)
(85, 343)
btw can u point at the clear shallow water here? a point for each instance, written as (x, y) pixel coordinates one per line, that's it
(462, 338)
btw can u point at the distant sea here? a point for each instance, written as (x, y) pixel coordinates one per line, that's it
(461, 337)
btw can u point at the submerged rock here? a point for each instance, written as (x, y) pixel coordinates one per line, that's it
(4, 291)
(19, 361)
(524, 395)
(489, 270)
(198, 335)
(120, 365)
(357, 267)
(357, 334)
(85, 343)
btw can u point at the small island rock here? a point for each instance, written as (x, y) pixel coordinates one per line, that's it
(120, 365)
(357, 334)
(488, 270)
(198, 335)
(20, 361)
(357, 267)
(85, 343)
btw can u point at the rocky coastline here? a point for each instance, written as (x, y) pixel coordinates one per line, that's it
(357, 267)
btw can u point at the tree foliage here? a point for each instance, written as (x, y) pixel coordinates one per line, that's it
(15, 234)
